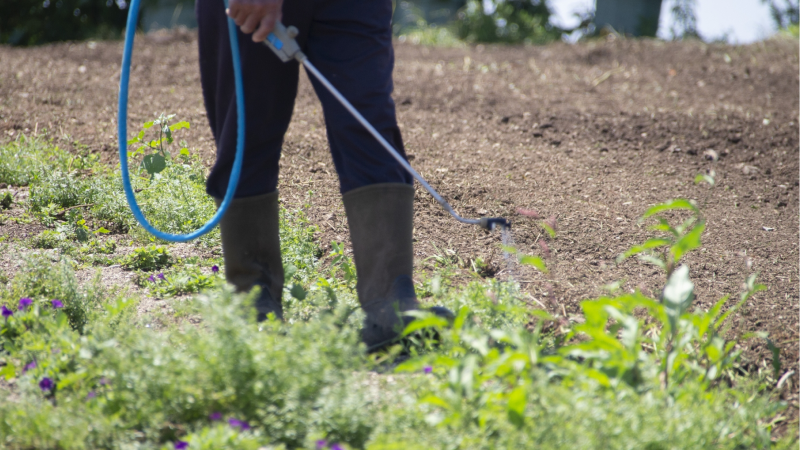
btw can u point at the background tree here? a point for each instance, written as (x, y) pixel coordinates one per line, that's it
(32, 22)
(684, 20)
(785, 13)
(509, 21)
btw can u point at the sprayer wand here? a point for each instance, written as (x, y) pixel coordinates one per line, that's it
(282, 42)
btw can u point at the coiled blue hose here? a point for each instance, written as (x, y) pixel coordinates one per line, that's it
(122, 119)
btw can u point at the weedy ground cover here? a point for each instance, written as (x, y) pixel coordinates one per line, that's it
(83, 369)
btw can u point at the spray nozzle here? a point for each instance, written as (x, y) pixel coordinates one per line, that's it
(490, 223)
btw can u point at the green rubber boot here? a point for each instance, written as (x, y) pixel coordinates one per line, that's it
(381, 219)
(251, 248)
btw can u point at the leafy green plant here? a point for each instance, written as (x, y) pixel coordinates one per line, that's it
(674, 242)
(148, 259)
(173, 200)
(285, 383)
(48, 239)
(510, 388)
(674, 346)
(74, 226)
(6, 201)
(61, 189)
(187, 279)
(24, 159)
(105, 248)
(156, 162)
(633, 372)
(341, 262)
(628, 343)
(43, 281)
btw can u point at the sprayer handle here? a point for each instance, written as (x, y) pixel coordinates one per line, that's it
(282, 42)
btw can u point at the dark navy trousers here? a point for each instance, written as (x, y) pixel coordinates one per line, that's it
(350, 42)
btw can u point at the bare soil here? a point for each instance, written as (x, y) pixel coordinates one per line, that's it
(589, 134)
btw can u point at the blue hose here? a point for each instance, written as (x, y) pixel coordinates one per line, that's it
(122, 119)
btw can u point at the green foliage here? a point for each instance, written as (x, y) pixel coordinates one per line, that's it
(510, 388)
(288, 383)
(172, 198)
(60, 189)
(632, 372)
(48, 239)
(24, 159)
(340, 262)
(106, 248)
(218, 437)
(494, 304)
(186, 279)
(7, 201)
(43, 281)
(154, 153)
(675, 242)
(511, 22)
(32, 22)
(298, 383)
(150, 258)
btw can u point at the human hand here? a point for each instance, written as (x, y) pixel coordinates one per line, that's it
(255, 15)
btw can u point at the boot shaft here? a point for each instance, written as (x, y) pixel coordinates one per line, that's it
(251, 249)
(381, 221)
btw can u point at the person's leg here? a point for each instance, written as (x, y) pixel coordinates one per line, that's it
(270, 88)
(350, 42)
(249, 229)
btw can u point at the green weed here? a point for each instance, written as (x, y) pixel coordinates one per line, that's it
(44, 281)
(7, 201)
(25, 159)
(633, 372)
(155, 153)
(138, 384)
(187, 279)
(60, 189)
(49, 239)
(148, 259)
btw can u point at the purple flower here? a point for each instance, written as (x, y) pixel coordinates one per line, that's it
(91, 394)
(215, 416)
(7, 312)
(236, 423)
(214, 268)
(181, 445)
(103, 381)
(29, 366)
(336, 447)
(151, 279)
(161, 275)
(46, 384)
(24, 302)
(322, 443)
(427, 369)
(57, 303)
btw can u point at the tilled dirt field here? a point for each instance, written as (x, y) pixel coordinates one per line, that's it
(591, 134)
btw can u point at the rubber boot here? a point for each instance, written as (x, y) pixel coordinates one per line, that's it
(251, 248)
(380, 217)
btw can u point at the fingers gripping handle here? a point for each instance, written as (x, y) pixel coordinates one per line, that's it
(281, 41)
